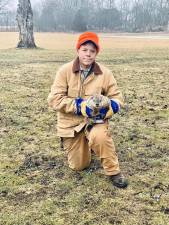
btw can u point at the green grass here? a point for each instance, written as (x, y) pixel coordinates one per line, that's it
(36, 185)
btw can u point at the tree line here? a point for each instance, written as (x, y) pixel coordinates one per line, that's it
(99, 15)
(102, 15)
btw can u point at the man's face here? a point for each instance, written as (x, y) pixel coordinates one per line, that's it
(87, 54)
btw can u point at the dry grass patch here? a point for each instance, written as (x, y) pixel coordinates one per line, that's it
(62, 41)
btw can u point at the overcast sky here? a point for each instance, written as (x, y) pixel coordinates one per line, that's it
(13, 3)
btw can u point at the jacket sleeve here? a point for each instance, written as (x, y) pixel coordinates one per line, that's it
(58, 98)
(113, 91)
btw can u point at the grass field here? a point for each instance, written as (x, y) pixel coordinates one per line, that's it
(36, 185)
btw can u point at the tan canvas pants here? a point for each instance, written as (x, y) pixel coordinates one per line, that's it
(99, 140)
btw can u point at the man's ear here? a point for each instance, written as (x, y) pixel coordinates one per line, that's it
(77, 51)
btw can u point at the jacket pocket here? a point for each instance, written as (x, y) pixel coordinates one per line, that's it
(67, 120)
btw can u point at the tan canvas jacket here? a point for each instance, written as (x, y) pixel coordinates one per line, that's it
(68, 85)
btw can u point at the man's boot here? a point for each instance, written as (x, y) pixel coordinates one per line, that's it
(119, 180)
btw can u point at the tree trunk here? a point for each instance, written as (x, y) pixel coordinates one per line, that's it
(25, 24)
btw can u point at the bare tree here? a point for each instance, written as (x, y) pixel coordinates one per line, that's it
(125, 11)
(25, 24)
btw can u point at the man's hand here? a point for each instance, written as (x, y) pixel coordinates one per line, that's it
(113, 108)
(81, 108)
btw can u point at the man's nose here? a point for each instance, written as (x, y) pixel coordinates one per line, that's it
(88, 53)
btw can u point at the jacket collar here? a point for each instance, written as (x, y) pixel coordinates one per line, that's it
(95, 67)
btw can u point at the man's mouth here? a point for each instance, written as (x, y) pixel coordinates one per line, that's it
(87, 59)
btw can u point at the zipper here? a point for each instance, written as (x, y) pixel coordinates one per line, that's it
(82, 79)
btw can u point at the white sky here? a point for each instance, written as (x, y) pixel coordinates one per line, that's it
(13, 3)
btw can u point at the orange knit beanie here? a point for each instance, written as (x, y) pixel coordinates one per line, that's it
(88, 36)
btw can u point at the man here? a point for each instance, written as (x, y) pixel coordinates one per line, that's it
(85, 95)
